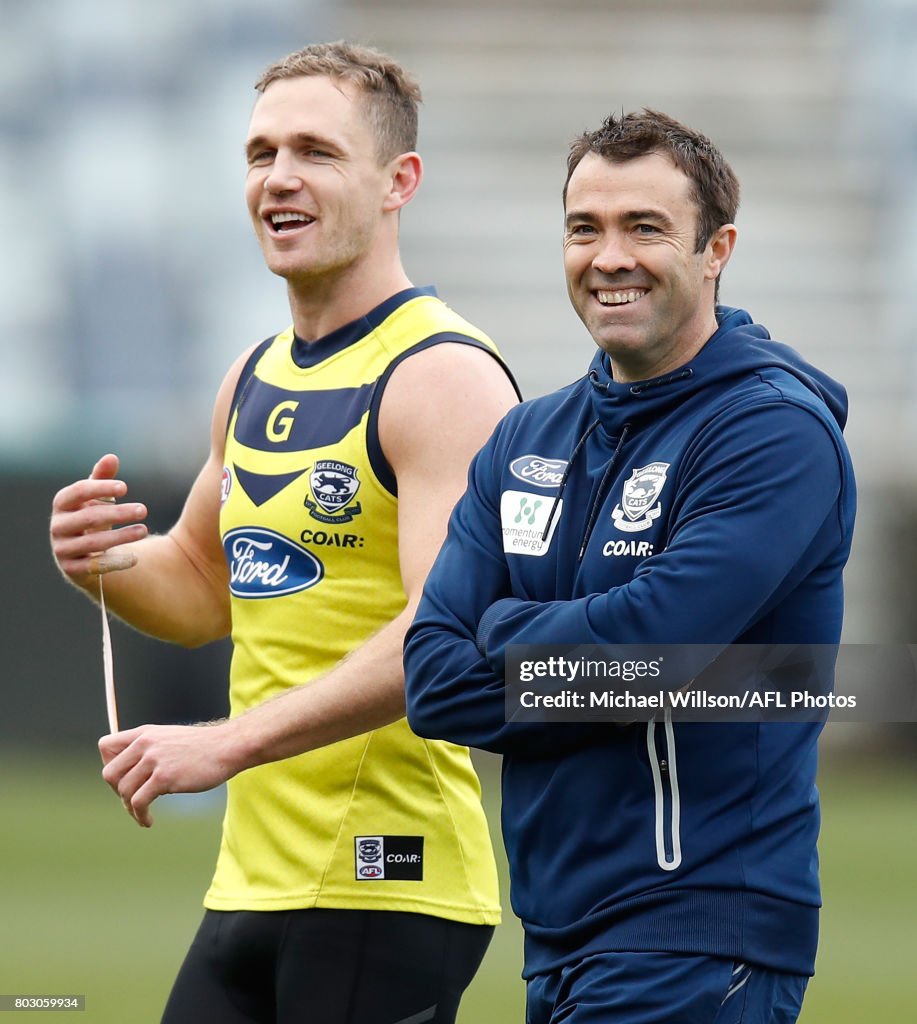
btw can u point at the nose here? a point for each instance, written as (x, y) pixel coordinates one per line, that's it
(614, 255)
(283, 176)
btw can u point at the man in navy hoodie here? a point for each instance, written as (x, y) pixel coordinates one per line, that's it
(693, 488)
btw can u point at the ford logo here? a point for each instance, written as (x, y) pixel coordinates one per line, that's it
(534, 469)
(266, 564)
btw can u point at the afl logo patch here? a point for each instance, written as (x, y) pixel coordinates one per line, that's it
(392, 858)
(639, 507)
(225, 485)
(267, 564)
(534, 469)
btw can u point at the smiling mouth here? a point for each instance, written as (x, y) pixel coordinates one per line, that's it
(620, 298)
(284, 222)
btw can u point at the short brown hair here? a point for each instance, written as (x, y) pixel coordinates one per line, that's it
(714, 185)
(391, 95)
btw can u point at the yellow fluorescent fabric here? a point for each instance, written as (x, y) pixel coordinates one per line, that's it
(309, 524)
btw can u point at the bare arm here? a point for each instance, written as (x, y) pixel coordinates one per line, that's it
(173, 586)
(448, 384)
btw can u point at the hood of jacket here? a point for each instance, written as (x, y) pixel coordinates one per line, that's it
(738, 346)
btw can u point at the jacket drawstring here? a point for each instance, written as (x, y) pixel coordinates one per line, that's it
(600, 494)
(660, 382)
(636, 389)
(577, 448)
(603, 486)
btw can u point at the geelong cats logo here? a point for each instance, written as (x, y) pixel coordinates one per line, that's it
(334, 486)
(639, 507)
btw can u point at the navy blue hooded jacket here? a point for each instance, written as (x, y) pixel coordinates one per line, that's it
(713, 505)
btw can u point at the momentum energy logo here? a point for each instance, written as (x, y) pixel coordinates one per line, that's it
(267, 564)
(524, 517)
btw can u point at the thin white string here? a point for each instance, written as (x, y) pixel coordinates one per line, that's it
(108, 665)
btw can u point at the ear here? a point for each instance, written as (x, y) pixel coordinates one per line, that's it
(407, 172)
(718, 251)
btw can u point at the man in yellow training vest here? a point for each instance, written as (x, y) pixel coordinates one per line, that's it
(355, 882)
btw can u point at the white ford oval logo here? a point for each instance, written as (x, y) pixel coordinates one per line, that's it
(542, 472)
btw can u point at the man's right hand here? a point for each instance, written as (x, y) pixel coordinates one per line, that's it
(84, 515)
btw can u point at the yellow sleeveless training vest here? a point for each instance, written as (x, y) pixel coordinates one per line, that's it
(383, 820)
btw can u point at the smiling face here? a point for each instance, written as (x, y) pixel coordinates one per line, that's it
(315, 189)
(633, 276)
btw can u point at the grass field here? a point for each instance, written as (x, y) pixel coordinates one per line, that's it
(91, 904)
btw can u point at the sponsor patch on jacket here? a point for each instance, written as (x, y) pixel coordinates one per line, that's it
(263, 563)
(537, 470)
(524, 517)
(639, 507)
(395, 858)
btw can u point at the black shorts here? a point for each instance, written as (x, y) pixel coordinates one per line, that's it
(325, 967)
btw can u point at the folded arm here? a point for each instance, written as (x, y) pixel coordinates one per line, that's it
(741, 535)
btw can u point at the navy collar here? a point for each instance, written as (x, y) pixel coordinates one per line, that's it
(311, 353)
